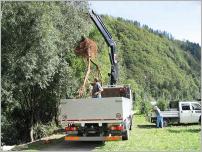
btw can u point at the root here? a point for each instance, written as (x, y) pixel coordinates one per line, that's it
(82, 88)
(99, 75)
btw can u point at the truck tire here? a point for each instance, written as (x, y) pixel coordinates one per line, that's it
(200, 120)
(125, 135)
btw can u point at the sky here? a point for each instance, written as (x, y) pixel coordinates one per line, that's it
(180, 18)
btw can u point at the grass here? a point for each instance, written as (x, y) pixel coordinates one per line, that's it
(146, 137)
(143, 137)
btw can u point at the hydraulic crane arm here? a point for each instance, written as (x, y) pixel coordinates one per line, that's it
(108, 38)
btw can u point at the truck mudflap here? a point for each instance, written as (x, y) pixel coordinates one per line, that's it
(96, 138)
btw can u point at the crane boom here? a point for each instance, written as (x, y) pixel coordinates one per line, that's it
(108, 39)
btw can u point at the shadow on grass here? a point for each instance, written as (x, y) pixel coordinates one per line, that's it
(138, 114)
(146, 126)
(181, 125)
(184, 130)
(59, 145)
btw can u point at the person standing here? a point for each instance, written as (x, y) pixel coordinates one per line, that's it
(97, 89)
(159, 118)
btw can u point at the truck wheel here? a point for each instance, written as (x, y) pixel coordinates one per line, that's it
(125, 135)
(165, 123)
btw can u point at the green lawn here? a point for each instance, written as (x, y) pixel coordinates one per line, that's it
(143, 137)
(146, 137)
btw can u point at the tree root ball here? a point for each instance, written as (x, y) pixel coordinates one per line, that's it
(87, 49)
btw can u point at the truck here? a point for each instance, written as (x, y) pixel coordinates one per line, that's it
(185, 112)
(100, 119)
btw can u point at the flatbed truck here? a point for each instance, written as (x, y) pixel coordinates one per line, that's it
(186, 112)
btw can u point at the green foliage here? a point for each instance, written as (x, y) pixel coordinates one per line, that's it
(153, 62)
(44, 130)
(103, 56)
(39, 66)
(8, 131)
(162, 104)
(145, 107)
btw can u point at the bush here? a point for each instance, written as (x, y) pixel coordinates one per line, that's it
(8, 132)
(44, 130)
(145, 107)
(162, 104)
(13, 131)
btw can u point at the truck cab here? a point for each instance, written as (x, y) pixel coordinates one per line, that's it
(190, 112)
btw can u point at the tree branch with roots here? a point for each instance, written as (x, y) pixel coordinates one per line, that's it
(88, 50)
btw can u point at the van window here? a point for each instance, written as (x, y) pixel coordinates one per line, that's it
(196, 106)
(185, 106)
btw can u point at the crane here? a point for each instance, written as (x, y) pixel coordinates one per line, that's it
(111, 44)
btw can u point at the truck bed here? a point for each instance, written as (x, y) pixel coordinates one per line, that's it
(95, 110)
(167, 114)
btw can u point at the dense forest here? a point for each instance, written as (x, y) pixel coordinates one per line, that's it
(39, 66)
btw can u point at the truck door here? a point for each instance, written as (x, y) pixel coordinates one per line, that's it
(185, 112)
(196, 112)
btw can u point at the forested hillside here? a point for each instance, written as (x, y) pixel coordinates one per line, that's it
(39, 66)
(153, 62)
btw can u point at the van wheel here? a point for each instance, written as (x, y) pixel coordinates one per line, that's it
(165, 123)
(125, 135)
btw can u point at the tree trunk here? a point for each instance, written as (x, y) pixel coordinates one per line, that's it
(56, 121)
(56, 116)
(31, 129)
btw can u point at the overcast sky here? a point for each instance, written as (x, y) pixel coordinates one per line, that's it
(180, 18)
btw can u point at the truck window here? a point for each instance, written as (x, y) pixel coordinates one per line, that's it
(185, 106)
(196, 106)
